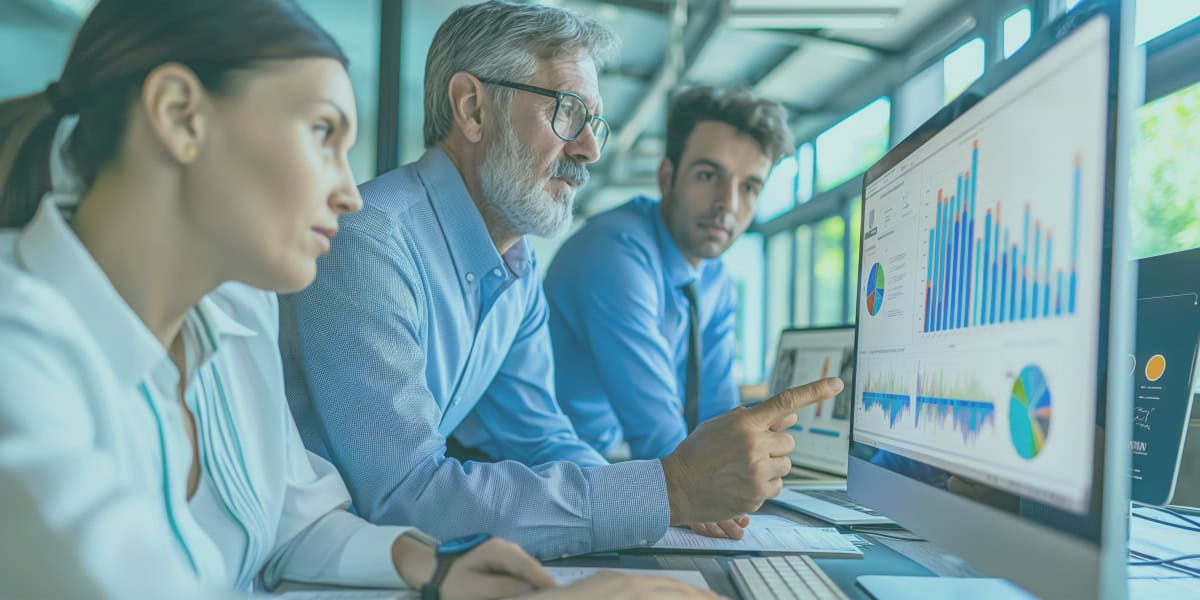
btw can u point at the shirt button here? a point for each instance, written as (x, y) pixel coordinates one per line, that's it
(470, 277)
(497, 272)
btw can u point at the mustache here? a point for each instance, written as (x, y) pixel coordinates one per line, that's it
(569, 169)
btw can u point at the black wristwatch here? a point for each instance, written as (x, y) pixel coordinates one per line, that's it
(447, 553)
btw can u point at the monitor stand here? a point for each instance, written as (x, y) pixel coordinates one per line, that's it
(888, 587)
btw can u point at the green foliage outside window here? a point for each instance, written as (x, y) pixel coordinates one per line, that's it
(828, 273)
(1166, 175)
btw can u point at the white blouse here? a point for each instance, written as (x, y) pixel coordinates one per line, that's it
(94, 455)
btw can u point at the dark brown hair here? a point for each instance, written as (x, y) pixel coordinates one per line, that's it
(119, 44)
(761, 119)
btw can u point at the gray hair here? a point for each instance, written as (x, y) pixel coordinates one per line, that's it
(503, 40)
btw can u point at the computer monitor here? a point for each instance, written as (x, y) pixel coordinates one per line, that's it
(1164, 446)
(994, 290)
(822, 431)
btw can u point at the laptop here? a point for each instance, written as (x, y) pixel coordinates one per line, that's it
(822, 430)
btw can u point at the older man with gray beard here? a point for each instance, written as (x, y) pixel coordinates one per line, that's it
(424, 342)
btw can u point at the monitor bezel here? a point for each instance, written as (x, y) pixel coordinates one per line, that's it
(1047, 561)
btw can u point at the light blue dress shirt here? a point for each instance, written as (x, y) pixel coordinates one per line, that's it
(93, 442)
(416, 328)
(619, 321)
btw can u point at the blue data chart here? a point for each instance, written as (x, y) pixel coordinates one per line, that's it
(985, 270)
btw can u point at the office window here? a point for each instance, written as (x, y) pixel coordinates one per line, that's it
(961, 68)
(779, 288)
(745, 263)
(33, 47)
(828, 273)
(1156, 17)
(1017, 29)
(855, 225)
(805, 165)
(848, 148)
(917, 100)
(354, 24)
(779, 193)
(1166, 175)
(802, 278)
(35, 41)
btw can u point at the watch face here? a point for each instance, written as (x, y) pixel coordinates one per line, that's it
(463, 544)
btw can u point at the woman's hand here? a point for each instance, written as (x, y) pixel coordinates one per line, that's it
(495, 569)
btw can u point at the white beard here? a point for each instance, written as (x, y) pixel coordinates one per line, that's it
(516, 199)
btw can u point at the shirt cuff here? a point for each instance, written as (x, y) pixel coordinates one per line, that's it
(367, 560)
(629, 504)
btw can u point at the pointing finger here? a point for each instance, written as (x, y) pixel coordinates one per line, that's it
(792, 400)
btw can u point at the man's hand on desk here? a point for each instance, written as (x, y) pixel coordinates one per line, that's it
(731, 464)
(734, 529)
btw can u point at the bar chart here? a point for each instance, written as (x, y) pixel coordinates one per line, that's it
(987, 271)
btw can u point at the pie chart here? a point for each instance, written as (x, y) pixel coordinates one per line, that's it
(1029, 412)
(875, 289)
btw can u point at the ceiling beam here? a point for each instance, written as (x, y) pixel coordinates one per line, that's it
(955, 24)
(615, 71)
(659, 7)
(689, 33)
(680, 56)
(801, 37)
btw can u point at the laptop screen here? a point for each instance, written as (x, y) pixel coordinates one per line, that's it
(822, 430)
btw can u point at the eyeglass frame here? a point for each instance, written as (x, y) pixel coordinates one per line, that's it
(558, 98)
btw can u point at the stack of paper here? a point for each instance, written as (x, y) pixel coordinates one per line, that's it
(766, 533)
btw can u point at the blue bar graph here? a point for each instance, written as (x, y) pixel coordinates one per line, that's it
(990, 276)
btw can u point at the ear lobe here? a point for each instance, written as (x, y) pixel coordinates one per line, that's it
(666, 176)
(466, 103)
(172, 100)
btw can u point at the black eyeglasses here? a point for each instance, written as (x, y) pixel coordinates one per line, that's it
(571, 113)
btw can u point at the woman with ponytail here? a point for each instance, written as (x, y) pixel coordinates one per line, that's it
(191, 155)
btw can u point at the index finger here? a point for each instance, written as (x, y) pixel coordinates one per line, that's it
(792, 400)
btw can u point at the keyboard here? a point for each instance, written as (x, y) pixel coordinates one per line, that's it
(841, 498)
(783, 577)
(830, 504)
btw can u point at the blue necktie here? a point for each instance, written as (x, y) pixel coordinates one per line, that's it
(691, 404)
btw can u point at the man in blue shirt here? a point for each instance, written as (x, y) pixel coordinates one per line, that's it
(632, 361)
(427, 324)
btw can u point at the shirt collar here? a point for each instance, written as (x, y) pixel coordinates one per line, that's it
(678, 270)
(470, 244)
(49, 250)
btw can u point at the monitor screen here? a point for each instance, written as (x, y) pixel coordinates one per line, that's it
(822, 430)
(980, 290)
